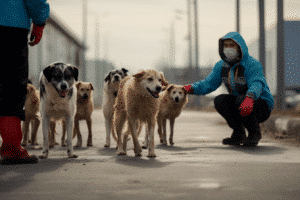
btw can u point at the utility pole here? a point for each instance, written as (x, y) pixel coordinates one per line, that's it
(280, 57)
(84, 34)
(189, 33)
(238, 16)
(262, 47)
(196, 34)
(172, 46)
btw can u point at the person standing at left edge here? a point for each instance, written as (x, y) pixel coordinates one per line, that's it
(249, 101)
(16, 17)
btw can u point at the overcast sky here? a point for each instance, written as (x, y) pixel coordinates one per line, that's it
(137, 31)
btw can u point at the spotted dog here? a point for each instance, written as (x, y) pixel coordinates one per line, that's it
(58, 101)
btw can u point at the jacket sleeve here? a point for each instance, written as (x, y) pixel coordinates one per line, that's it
(210, 83)
(255, 80)
(38, 10)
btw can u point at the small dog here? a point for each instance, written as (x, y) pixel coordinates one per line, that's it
(138, 102)
(58, 101)
(172, 101)
(85, 107)
(32, 106)
(110, 89)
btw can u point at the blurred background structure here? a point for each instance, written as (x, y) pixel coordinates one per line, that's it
(180, 39)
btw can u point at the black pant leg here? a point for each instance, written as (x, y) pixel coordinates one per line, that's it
(14, 58)
(225, 105)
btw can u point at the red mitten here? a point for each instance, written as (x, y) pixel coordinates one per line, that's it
(36, 34)
(246, 107)
(188, 88)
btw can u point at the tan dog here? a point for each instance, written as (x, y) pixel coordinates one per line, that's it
(138, 102)
(110, 89)
(85, 107)
(32, 106)
(172, 101)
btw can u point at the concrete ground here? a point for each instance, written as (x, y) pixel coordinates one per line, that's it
(198, 166)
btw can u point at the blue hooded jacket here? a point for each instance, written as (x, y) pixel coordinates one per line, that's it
(19, 13)
(246, 74)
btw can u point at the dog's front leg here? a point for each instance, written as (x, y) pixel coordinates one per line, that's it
(70, 126)
(172, 122)
(89, 125)
(77, 132)
(108, 126)
(25, 130)
(46, 130)
(34, 129)
(151, 126)
(146, 142)
(164, 131)
(132, 123)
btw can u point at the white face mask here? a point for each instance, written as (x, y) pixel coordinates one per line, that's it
(230, 53)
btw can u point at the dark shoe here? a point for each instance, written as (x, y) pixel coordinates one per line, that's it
(236, 138)
(252, 140)
(13, 161)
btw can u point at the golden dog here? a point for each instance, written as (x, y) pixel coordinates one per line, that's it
(172, 101)
(32, 106)
(138, 102)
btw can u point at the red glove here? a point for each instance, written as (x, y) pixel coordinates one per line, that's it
(188, 88)
(36, 34)
(246, 107)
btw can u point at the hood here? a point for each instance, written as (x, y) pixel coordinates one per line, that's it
(235, 36)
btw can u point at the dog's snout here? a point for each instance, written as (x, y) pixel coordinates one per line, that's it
(158, 88)
(63, 86)
(177, 99)
(116, 78)
(85, 96)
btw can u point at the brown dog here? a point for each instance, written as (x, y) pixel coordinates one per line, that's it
(85, 107)
(138, 102)
(32, 106)
(172, 101)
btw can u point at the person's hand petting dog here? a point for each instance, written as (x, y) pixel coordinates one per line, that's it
(246, 107)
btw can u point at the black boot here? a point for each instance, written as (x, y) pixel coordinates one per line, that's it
(254, 135)
(238, 136)
(253, 138)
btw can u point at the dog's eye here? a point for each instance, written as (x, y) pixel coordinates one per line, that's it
(150, 79)
(67, 77)
(159, 80)
(174, 92)
(180, 92)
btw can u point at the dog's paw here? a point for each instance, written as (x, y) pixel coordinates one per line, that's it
(43, 157)
(23, 144)
(161, 141)
(78, 145)
(63, 143)
(107, 145)
(172, 143)
(151, 155)
(121, 153)
(73, 156)
(138, 152)
(90, 144)
(144, 147)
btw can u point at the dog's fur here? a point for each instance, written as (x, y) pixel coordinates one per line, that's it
(32, 106)
(85, 107)
(58, 101)
(110, 89)
(172, 101)
(137, 102)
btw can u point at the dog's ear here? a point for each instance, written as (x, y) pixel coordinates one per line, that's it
(78, 84)
(139, 75)
(170, 87)
(124, 71)
(92, 87)
(163, 80)
(107, 78)
(48, 73)
(75, 72)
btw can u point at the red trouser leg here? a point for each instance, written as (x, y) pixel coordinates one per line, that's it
(10, 128)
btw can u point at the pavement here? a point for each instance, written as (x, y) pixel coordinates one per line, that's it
(198, 166)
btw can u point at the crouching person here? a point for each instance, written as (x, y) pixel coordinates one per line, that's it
(249, 101)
